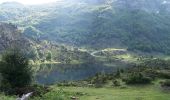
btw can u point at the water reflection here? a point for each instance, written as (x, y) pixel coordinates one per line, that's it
(53, 73)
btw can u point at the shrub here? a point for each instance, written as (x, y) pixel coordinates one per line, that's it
(116, 82)
(118, 74)
(99, 80)
(166, 83)
(163, 74)
(15, 70)
(137, 78)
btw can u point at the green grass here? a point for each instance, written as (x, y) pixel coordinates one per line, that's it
(129, 93)
(3, 97)
(146, 92)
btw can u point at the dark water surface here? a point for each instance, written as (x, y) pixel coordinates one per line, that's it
(53, 73)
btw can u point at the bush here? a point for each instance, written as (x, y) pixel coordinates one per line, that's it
(118, 74)
(163, 74)
(15, 70)
(166, 83)
(137, 78)
(99, 80)
(116, 82)
(37, 90)
(54, 95)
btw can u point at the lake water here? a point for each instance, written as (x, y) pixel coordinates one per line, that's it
(53, 73)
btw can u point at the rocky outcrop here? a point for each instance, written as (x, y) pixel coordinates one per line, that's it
(8, 34)
(11, 36)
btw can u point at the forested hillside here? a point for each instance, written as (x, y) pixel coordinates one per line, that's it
(133, 24)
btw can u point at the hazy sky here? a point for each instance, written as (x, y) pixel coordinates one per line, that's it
(30, 2)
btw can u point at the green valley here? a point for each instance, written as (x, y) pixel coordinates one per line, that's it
(85, 50)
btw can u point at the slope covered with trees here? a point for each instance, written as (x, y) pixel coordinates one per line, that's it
(133, 24)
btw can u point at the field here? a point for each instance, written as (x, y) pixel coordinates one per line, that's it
(135, 92)
(130, 93)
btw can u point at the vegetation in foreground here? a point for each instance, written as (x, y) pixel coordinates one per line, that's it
(16, 75)
(15, 71)
(137, 92)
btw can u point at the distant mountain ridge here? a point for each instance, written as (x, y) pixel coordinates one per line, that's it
(133, 24)
(12, 4)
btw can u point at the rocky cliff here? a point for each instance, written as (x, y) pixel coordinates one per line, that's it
(11, 36)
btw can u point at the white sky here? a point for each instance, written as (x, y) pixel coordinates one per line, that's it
(30, 2)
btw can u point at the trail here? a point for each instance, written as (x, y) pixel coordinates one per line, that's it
(94, 52)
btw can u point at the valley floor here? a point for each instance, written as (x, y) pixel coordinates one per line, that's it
(130, 93)
(147, 92)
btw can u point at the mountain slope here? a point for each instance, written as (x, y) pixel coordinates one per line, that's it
(10, 36)
(133, 24)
